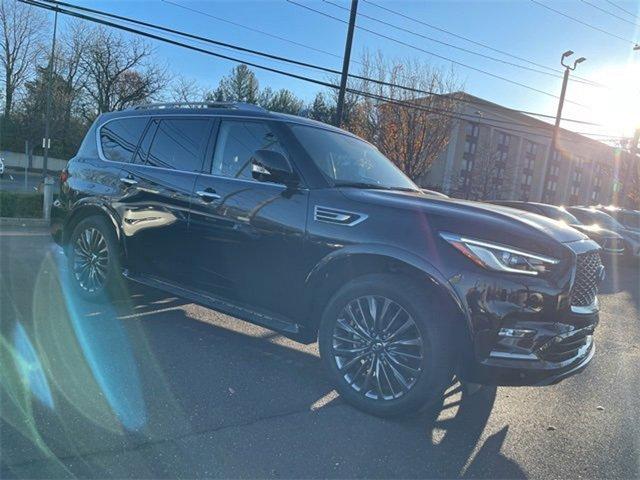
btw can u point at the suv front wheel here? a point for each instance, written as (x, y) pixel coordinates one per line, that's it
(384, 341)
(93, 258)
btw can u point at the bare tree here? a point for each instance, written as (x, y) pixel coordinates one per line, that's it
(21, 43)
(408, 126)
(73, 46)
(119, 71)
(184, 90)
(488, 174)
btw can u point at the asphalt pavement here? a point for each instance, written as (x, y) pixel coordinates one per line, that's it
(13, 181)
(153, 386)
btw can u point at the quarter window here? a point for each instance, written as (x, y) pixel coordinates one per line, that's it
(237, 141)
(119, 138)
(179, 144)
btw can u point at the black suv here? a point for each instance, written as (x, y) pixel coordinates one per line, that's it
(311, 231)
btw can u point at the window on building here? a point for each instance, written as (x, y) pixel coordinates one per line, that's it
(504, 139)
(470, 147)
(472, 129)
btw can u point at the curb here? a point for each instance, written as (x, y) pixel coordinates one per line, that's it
(23, 222)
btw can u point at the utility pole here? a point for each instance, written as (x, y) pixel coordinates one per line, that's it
(345, 62)
(46, 141)
(556, 128)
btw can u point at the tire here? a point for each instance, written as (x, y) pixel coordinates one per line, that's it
(426, 336)
(93, 247)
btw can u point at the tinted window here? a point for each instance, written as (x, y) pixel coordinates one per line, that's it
(119, 138)
(631, 219)
(237, 141)
(179, 144)
(347, 160)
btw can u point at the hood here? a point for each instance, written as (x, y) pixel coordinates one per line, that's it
(595, 231)
(490, 222)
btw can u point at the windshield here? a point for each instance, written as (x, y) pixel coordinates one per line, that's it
(347, 161)
(562, 215)
(600, 218)
(631, 219)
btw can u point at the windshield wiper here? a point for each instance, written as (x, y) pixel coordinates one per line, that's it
(375, 186)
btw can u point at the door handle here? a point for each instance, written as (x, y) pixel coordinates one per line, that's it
(129, 181)
(208, 196)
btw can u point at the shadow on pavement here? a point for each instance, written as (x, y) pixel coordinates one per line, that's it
(151, 387)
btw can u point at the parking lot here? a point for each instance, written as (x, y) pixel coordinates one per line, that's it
(14, 181)
(157, 387)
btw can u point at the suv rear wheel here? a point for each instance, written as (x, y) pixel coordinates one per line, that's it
(386, 347)
(93, 258)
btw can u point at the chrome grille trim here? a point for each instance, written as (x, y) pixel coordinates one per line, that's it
(337, 217)
(585, 286)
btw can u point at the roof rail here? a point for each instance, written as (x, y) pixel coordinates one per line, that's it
(230, 105)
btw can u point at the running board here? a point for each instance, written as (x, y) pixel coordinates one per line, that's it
(243, 313)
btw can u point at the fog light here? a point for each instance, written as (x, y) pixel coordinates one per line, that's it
(516, 332)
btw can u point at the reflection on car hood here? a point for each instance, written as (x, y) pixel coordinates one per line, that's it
(595, 231)
(481, 220)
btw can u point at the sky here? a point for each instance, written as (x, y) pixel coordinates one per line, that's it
(519, 27)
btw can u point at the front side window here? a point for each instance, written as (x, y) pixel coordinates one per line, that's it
(119, 138)
(179, 144)
(631, 220)
(349, 161)
(237, 141)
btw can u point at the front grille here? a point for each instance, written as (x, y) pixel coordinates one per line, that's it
(613, 244)
(558, 351)
(585, 287)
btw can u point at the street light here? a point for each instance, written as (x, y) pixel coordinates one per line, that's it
(567, 54)
(554, 137)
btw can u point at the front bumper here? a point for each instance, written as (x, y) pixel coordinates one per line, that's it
(530, 361)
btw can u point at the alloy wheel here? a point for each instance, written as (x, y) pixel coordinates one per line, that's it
(90, 260)
(377, 348)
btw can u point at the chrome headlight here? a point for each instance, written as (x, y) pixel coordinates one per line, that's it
(498, 257)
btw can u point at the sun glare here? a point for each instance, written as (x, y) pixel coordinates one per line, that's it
(617, 107)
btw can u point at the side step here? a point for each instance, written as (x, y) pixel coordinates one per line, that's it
(269, 321)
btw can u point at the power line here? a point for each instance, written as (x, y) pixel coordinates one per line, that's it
(252, 29)
(598, 29)
(279, 58)
(446, 113)
(620, 8)
(610, 13)
(480, 44)
(415, 47)
(456, 47)
(359, 77)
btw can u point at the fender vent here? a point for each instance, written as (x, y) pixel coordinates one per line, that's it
(339, 217)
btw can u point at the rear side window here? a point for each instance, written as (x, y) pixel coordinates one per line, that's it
(119, 138)
(179, 144)
(236, 144)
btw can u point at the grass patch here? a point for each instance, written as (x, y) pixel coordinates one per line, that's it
(20, 205)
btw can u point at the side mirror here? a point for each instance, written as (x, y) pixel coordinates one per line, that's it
(270, 166)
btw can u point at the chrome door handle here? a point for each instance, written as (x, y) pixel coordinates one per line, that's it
(207, 196)
(129, 181)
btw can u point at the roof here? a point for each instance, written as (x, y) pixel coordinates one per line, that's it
(241, 110)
